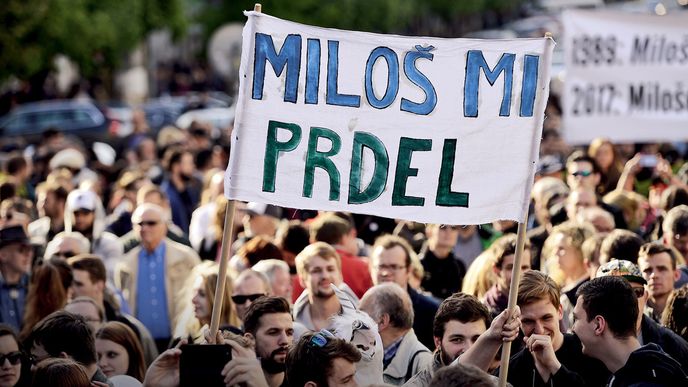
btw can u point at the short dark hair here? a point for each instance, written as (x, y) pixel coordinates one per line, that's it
(66, 332)
(90, 263)
(260, 307)
(461, 307)
(622, 245)
(173, 156)
(293, 237)
(15, 163)
(580, 157)
(505, 246)
(309, 362)
(329, 228)
(461, 375)
(391, 241)
(653, 248)
(611, 297)
(55, 189)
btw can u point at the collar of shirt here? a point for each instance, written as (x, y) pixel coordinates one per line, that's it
(391, 351)
(23, 282)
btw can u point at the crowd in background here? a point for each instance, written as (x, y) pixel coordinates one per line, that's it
(132, 247)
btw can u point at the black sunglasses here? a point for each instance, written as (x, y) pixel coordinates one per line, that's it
(639, 292)
(241, 300)
(14, 358)
(148, 223)
(64, 254)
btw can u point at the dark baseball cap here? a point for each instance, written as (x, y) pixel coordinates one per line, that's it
(13, 234)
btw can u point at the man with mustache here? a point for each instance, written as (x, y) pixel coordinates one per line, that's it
(318, 266)
(269, 324)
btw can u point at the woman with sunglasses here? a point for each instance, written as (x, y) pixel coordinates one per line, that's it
(11, 359)
(198, 304)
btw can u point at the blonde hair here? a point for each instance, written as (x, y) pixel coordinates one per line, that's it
(317, 249)
(188, 324)
(480, 277)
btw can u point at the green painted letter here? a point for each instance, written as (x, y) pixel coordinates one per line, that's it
(314, 159)
(274, 147)
(406, 148)
(379, 180)
(445, 196)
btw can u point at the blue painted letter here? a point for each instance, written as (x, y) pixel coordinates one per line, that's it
(474, 63)
(420, 80)
(333, 97)
(392, 77)
(289, 56)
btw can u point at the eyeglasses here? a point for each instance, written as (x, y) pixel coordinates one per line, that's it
(320, 339)
(149, 223)
(582, 173)
(389, 267)
(241, 299)
(639, 292)
(13, 357)
(64, 254)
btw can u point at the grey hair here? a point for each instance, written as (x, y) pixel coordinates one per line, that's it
(253, 273)
(138, 212)
(389, 299)
(268, 267)
(81, 240)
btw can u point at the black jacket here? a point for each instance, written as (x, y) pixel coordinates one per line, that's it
(424, 309)
(671, 343)
(648, 366)
(577, 370)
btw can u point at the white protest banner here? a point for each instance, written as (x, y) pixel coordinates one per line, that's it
(416, 128)
(625, 77)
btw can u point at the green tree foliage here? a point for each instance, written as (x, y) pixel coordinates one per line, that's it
(95, 34)
(414, 17)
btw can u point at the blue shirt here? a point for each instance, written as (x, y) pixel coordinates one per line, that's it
(151, 299)
(12, 301)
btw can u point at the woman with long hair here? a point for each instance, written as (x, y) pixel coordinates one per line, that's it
(198, 303)
(49, 291)
(603, 151)
(14, 367)
(119, 351)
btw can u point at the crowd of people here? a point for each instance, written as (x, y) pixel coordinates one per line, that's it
(108, 269)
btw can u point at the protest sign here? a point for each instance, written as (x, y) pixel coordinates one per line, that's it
(625, 77)
(416, 128)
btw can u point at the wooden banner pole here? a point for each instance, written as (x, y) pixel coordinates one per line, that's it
(513, 293)
(515, 279)
(222, 272)
(224, 255)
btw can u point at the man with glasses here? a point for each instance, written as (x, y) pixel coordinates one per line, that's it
(151, 274)
(248, 287)
(66, 245)
(647, 329)
(391, 261)
(583, 172)
(320, 360)
(444, 272)
(16, 255)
